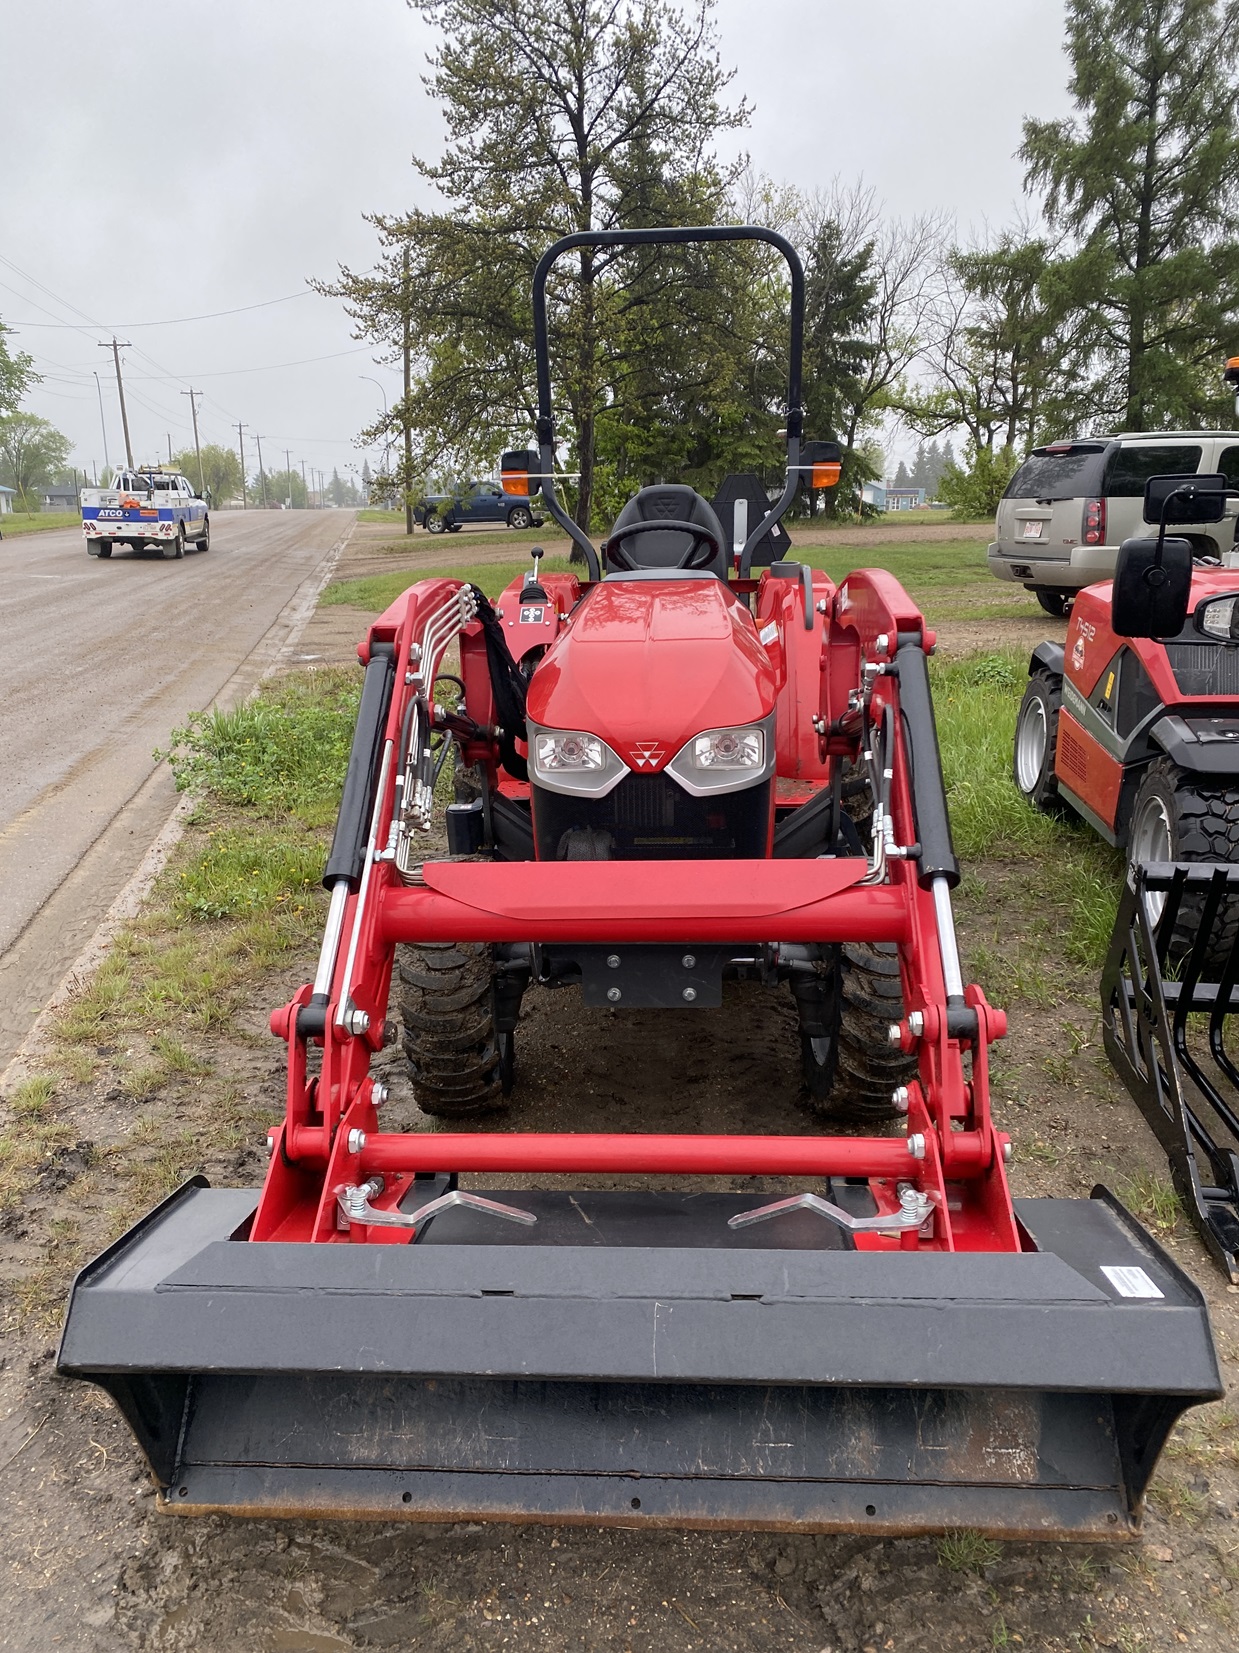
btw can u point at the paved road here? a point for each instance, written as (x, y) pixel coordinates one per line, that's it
(99, 661)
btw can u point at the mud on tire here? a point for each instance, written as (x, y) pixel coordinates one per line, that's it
(447, 1006)
(862, 1069)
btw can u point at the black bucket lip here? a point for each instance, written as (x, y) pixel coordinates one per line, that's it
(179, 1285)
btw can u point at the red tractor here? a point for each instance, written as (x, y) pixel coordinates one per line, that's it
(1139, 735)
(688, 769)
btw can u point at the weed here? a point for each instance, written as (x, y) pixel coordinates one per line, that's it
(1178, 1503)
(176, 1058)
(1208, 1435)
(967, 1551)
(240, 871)
(1151, 1197)
(1045, 1153)
(31, 1098)
(283, 752)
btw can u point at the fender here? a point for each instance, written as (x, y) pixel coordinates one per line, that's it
(1047, 657)
(1181, 740)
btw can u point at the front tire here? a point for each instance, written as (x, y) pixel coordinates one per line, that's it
(520, 516)
(1057, 603)
(1174, 819)
(458, 1063)
(204, 544)
(854, 1071)
(1036, 741)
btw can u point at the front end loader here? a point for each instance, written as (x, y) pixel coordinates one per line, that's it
(889, 1343)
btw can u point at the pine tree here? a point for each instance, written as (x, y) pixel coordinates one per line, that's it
(902, 477)
(1144, 180)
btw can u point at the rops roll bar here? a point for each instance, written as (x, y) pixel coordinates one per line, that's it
(642, 238)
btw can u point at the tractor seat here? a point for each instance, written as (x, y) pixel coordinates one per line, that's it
(657, 550)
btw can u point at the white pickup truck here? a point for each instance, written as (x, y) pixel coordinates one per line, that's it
(147, 507)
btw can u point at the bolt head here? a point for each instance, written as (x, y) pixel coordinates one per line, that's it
(916, 1145)
(894, 1035)
(916, 1024)
(688, 961)
(358, 1022)
(270, 1143)
(378, 1093)
(356, 1141)
(1006, 1153)
(613, 961)
(690, 993)
(899, 1098)
(614, 994)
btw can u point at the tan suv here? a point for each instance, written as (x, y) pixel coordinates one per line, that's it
(1071, 505)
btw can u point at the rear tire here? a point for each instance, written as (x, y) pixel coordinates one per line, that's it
(1036, 741)
(174, 549)
(103, 550)
(458, 1063)
(435, 523)
(1174, 819)
(854, 1074)
(520, 516)
(1057, 603)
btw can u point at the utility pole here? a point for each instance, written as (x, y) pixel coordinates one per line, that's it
(193, 408)
(305, 487)
(241, 446)
(169, 436)
(116, 349)
(103, 424)
(288, 477)
(262, 475)
(408, 385)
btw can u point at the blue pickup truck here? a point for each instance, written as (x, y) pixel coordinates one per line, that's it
(148, 507)
(476, 502)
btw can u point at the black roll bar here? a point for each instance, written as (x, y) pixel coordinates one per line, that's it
(655, 237)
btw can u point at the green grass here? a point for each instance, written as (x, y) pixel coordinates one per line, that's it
(281, 753)
(376, 591)
(373, 515)
(966, 1551)
(922, 568)
(36, 522)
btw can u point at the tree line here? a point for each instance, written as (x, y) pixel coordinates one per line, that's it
(1107, 307)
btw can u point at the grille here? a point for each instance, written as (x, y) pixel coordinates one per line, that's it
(1204, 668)
(1072, 759)
(651, 818)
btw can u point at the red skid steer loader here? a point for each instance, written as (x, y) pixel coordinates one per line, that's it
(893, 1345)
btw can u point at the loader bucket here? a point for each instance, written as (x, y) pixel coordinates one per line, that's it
(1165, 1022)
(630, 1359)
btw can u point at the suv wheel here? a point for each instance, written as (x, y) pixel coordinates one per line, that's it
(1036, 740)
(520, 516)
(1057, 603)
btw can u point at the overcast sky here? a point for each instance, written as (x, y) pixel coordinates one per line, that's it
(165, 159)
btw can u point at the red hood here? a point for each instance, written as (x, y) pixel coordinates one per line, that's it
(654, 662)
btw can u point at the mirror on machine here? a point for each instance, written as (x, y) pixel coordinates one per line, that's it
(1153, 577)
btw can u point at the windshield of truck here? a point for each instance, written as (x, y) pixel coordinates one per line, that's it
(1068, 472)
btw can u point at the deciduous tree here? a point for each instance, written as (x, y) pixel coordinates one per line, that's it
(220, 467)
(32, 450)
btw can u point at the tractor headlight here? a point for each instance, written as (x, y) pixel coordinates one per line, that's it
(725, 760)
(1220, 618)
(568, 760)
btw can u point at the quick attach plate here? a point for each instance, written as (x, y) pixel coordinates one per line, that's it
(652, 978)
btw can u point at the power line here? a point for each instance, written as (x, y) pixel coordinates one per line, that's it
(174, 321)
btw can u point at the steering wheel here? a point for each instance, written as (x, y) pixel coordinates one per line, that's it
(700, 554)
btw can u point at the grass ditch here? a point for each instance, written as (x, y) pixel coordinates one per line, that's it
(36, 522)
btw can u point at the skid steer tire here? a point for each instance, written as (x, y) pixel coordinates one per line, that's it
(1176, 819)
(1036, 742)
(858, 1073)
(457, 1061)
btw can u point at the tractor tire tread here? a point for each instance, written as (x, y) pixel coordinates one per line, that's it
(449, 1039)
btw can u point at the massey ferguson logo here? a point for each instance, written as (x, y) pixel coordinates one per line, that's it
(647, 754)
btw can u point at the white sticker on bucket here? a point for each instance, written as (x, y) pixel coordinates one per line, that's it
(1130, 1282)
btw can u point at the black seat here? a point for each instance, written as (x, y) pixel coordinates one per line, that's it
(658, 548)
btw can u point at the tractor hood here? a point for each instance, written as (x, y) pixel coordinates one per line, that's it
(648, 663)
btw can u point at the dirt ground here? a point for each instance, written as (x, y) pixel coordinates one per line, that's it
(93, 1566)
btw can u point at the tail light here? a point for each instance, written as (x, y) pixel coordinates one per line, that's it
(1094, 522)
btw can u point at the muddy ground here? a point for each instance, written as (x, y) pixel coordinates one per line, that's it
(93, 1566)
